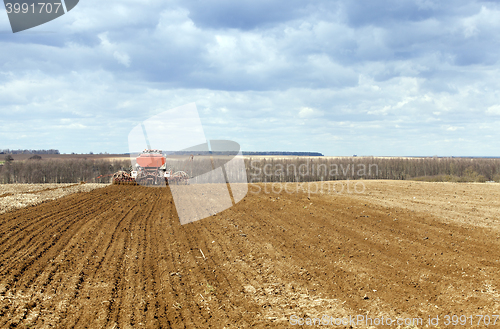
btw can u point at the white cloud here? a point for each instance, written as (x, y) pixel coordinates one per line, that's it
(341, 80)
(306, 112)
(493, 110)
(487, 20)
(122, 57)
(452, 128)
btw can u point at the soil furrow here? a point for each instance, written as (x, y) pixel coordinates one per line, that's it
(118, 257)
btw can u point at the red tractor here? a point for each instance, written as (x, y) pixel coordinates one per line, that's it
(147, 168)
(151, 169)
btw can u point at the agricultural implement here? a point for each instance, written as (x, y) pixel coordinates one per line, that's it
(176, 178)
(151, 169)
(123, 178)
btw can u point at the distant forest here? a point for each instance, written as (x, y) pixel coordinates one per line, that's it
(262, 169)
(272, 153)
(310, 154)
(326, 169)
(38, 170)
(51, 151)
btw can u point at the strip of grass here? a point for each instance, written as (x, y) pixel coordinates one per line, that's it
(452, 178)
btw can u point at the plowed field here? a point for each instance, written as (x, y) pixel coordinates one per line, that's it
(117, 257)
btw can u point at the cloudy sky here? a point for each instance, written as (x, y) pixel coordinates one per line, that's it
(341, 77)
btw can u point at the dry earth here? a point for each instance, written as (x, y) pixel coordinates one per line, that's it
(117, 257)
(15, 196)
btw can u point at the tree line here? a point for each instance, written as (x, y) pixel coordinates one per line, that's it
(60, 171)
(284, 153)
(272, 169)
(326, 168)
(51, 151)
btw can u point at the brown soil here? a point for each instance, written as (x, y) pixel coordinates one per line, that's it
(15, 196)
(117, 257)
